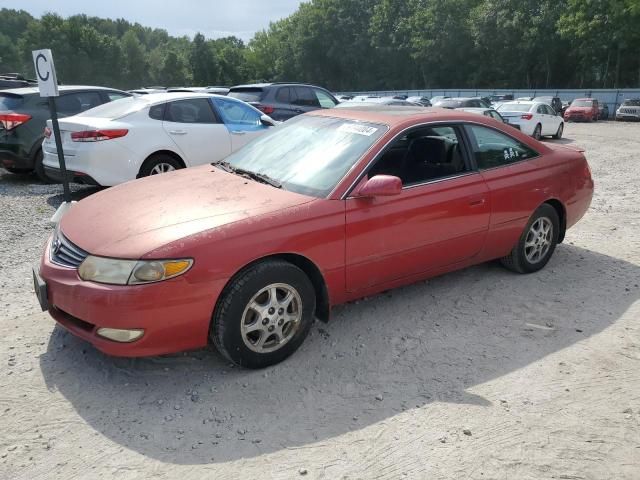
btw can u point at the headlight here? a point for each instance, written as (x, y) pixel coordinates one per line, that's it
(131, 272)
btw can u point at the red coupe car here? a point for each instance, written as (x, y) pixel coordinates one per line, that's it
(328, 207)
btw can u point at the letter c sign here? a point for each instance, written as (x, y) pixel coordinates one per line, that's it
(45, 72)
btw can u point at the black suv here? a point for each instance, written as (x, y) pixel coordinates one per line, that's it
(281, 101)
(24, 114)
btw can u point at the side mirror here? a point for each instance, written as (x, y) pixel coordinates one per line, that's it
(267, 121)
(379, 186)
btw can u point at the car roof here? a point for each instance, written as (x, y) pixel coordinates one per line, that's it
(161, 97)
(393, 115)
(585, 98)
(269, 84)
(61, 88)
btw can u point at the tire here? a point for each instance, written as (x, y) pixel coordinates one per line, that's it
(558, 134)
(537, 132)
(243, 335)
(38, 167)
(159, 163)
(521, 259)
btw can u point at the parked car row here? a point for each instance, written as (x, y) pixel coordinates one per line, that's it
(23, 114)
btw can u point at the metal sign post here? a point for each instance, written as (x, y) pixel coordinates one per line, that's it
(48, 86)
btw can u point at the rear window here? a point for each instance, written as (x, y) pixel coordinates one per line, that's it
(514, 107)
(118, 109)
(247, 94)
(10, 101)
(582, 103)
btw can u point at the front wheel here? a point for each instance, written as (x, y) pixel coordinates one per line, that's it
(264, 314)
(558, 134)
(537, 132)
(537, 242)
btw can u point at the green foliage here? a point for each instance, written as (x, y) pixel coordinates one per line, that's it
(354, 45)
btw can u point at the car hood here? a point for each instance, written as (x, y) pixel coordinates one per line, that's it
(135, 218)
(580, 109)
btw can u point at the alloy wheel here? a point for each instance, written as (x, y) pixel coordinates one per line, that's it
(538, 240)
(271, 318)
(161, 168)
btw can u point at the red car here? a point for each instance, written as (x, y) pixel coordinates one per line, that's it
(329, 207)
(582, 109)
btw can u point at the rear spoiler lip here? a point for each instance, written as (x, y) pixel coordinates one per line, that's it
(566, 147)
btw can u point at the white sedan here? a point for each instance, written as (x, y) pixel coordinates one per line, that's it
(156, 133)
(533, 118)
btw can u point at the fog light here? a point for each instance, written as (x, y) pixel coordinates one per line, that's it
(120, 335)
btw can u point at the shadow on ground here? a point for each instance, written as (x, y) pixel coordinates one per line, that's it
(399, 350)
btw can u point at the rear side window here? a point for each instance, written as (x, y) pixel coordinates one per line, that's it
(10, 101)
(193, 110)
(494, 149)
(283, 95)
(305, 97)
(249, 94)
(77, 102)
(157, 111)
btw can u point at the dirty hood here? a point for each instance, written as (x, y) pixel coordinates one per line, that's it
(132, 219)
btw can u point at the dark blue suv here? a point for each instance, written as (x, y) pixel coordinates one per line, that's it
(281, 100)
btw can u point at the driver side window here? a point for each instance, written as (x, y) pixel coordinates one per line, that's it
(423, 155)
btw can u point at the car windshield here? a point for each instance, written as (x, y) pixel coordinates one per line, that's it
(544, 99)
(117, 109)
(308, 154)
(582, 103)
(632, 103)
(514, 107)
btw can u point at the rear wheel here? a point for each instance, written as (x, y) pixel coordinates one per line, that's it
(38, 167)
(264, 314)
(159, 163)
(537, 242)
(558, 134)
(537, 132)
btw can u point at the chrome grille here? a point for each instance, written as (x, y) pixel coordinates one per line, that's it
(631, 111)
(65, 253)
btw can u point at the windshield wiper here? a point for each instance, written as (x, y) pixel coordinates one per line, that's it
(259, 177)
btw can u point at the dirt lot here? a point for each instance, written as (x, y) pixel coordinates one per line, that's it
(480, 374)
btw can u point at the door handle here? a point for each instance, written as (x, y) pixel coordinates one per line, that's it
(476, 201)
(178, 132)
(238, 132)
(298, 110)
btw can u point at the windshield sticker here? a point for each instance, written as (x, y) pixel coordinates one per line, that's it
(357, 129)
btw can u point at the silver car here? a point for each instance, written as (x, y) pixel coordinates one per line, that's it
(629, 110)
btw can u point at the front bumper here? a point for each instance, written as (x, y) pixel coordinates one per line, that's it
(175, 314)
(628, 117)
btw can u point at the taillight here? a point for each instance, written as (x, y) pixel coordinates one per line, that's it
(47, 132)
(265, 109)
(527, 116)
(12, 120)
(97, 135)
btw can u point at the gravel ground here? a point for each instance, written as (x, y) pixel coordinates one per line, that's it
(479, 374)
